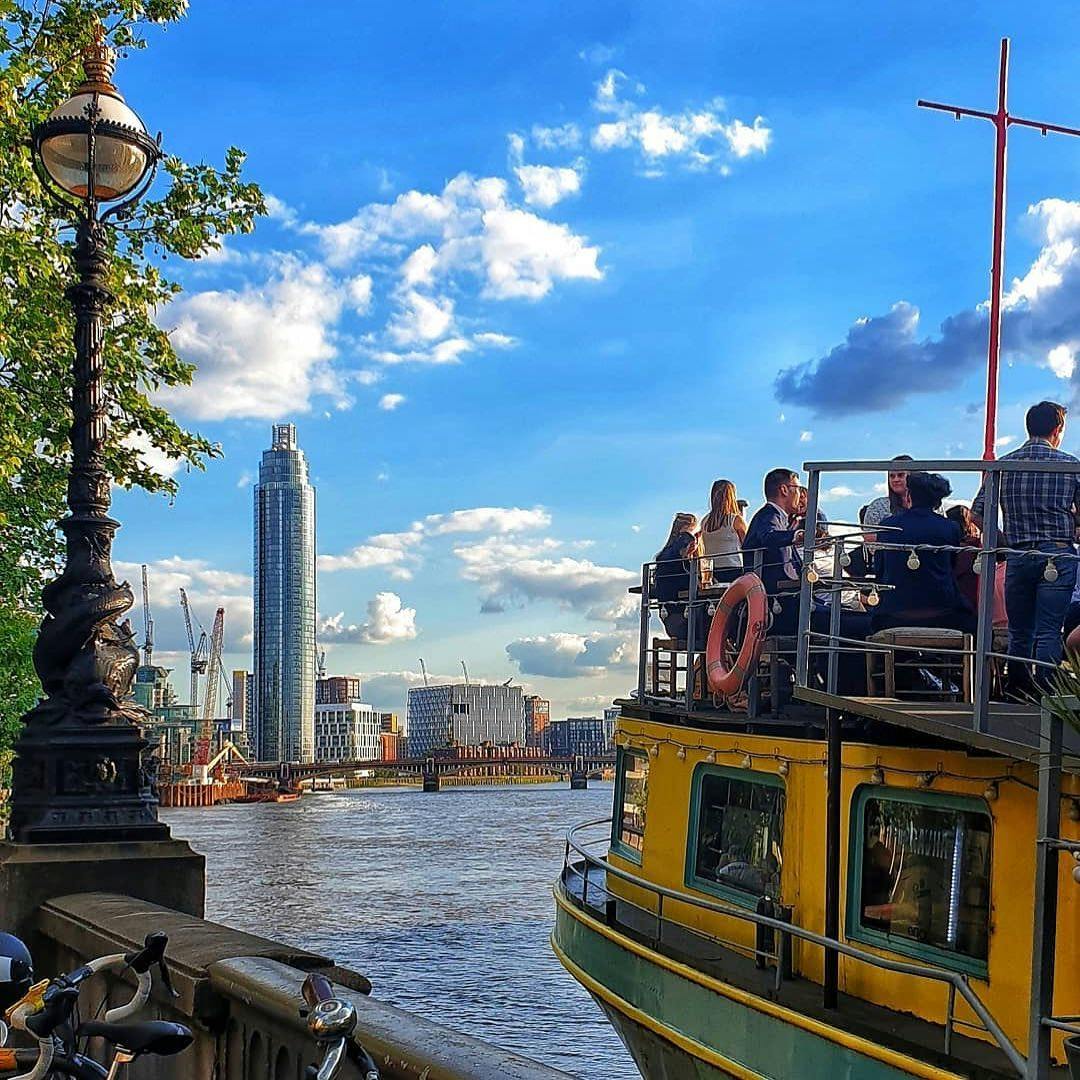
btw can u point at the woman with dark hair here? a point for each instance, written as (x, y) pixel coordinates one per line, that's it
(922, 585)
(892, 502)
(673, 568)
(722, 532)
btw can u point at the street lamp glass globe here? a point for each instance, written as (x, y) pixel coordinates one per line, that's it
(119, 162)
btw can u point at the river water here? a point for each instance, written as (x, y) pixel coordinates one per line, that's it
(442, 900)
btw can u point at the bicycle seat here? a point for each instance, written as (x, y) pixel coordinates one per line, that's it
(142, 1036)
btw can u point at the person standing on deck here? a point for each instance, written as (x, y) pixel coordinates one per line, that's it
(1038, 516)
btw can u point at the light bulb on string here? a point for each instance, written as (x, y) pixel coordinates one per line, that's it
(877, 776)
(711, 609)
(811, 574)
(663, 611)
(710, 757)
(990, 792)
(845, 559)
(654, 750)
(784, 767)
(913, 560)
(976, 564)
(681, 753)
(872, 598)
(777, 607)
(1051, 571)
(747, 762)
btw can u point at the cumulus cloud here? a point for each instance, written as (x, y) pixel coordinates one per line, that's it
(886, 360)
(394, 552)
(389, 402)
(398, 552)
(563, 137)
(207, 587)
(151, 457)
(543, 185)
(262, 351)
(698, 138)
(567, 656)
(513, 574)
(388, 690)
(388, 620)
(487, 519)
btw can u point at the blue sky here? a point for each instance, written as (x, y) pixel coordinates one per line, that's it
(531, 276)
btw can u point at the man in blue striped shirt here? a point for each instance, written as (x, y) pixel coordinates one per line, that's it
(1039, 513)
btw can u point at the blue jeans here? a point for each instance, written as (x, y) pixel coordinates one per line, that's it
(1036, 607)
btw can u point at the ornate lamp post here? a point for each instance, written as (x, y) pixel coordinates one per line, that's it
(77, 773)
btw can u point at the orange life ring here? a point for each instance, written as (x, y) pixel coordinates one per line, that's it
(724, 680)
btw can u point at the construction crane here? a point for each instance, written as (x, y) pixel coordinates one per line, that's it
(198, 652)
(466, 670)
(320, 669)
(148, 622)
(200, 763)
(423, 670)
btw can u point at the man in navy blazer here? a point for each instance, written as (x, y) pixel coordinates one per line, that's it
(771, 530)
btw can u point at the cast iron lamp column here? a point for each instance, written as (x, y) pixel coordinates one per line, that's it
(77, 773)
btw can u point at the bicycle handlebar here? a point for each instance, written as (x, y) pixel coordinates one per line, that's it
(331, 1022)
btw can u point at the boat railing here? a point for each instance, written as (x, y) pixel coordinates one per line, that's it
(954, 983)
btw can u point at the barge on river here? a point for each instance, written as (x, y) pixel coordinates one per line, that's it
(826, 885)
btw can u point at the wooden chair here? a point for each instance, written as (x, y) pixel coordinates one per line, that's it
(668, 662)
(918, 652)
(770, 677)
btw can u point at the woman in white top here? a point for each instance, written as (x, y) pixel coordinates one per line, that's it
(895, 500)
(723, 531)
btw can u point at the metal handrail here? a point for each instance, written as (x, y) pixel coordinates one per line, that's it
(957, 982)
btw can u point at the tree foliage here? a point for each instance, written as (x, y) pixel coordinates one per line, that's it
(191, 207)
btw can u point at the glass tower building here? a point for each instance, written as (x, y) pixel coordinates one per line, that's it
(283, 702)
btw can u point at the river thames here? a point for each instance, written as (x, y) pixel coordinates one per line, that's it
(442, 900)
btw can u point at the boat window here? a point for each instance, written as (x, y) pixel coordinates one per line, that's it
(631, 795)
(922, 871)
(736, 838)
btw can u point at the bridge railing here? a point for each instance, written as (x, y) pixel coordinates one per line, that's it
(241, 996)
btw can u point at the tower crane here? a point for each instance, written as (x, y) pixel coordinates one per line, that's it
(148, 622)
(200, 763)
(198, 652)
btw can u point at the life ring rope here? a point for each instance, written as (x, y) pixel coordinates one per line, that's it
(729, 680)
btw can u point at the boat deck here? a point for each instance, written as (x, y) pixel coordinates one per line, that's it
(1012, 730)
(900, 1031)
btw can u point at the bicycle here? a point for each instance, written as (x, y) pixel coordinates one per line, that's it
(331, 1022)
(47, 1011)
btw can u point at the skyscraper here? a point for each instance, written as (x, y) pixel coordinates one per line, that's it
(283, 705)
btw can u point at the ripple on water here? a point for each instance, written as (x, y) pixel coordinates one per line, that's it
(443, 901)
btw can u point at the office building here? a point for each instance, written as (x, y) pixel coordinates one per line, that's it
(611, 719)
(283, 704)
(464, 714)
(152, 688)
(240, 704)
(537, 718)
(577, 735)
(347, 731)
(337, 689)
(390, 724)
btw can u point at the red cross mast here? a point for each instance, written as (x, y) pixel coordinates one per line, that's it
(1002, 120)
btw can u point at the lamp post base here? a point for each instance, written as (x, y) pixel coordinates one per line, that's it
(77, 783)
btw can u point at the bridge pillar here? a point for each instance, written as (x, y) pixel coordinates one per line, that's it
(579, 777)
(430, 776)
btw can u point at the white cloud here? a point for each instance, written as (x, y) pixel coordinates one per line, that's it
(805, 436)
(567, 656)
(391, 551)
(487, 519)
(546, 185)
(499, 341)
(510, 575)
(422, 319)
(263, 351)
(564, 137)
(207, 587)
(244, 479)
(1004, 440)
(151, 457)
(387, 621)
(700, 138)
(840, 491)
(419, 267)
(1061, 360)
(359, 291)
(389, 402)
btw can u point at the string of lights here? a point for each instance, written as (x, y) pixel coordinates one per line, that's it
(878, 772)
